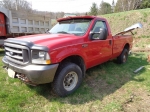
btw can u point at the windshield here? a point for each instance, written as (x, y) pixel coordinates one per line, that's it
(74, 26)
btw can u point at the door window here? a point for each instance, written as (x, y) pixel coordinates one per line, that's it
(99, 24)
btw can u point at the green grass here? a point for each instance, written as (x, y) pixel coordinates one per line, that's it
(141, 43)
(106, 88)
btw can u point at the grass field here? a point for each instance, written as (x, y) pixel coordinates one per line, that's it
(106, 88)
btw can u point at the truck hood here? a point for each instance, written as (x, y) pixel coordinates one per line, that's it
(52, 40)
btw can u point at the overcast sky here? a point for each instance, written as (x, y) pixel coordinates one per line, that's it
(65, 5)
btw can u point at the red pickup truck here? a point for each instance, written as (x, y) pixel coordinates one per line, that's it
(63, 55)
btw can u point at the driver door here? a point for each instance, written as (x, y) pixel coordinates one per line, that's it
(100, 50)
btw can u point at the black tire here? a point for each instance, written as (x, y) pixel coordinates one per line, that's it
(67, 80)
(122, 58)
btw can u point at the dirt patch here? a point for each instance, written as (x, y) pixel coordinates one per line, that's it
(138, 101)
(141, 45)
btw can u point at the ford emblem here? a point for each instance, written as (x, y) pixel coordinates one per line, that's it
(11, 53)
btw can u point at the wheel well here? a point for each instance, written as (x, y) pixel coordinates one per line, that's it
(127, 46)
(77, 60)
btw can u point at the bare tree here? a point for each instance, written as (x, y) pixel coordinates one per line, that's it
(129, 4)
(21, 5)
(113, 5)
(126, 5)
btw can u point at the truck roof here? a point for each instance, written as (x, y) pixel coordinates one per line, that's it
(79, 17)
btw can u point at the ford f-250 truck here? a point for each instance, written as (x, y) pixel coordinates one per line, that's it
(63, 55)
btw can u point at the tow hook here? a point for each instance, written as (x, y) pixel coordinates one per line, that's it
(6, 68)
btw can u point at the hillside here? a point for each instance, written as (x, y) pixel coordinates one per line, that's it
(119, 21)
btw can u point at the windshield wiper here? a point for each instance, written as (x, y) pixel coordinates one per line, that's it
(63, 32)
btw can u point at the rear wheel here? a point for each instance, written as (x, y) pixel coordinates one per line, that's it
(122, 58)
(67, 80)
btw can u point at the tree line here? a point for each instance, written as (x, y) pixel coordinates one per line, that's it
(24, 6)
(120, 6)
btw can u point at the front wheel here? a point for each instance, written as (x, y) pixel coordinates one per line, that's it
(122, 58)
(67, 80)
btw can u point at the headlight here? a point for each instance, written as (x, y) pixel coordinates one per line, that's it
(42, 54)
(40, 57)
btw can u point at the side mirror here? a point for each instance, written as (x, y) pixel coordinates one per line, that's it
(101, 35)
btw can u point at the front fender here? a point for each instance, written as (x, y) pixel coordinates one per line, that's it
(60, 54)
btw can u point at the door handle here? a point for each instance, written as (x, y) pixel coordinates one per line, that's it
(110, 42)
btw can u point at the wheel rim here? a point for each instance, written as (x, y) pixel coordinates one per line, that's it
(125, 58)
(70, 81)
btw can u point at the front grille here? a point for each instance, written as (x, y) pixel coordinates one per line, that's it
(17, 54)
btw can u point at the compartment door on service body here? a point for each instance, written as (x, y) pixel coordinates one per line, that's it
(100, 50)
